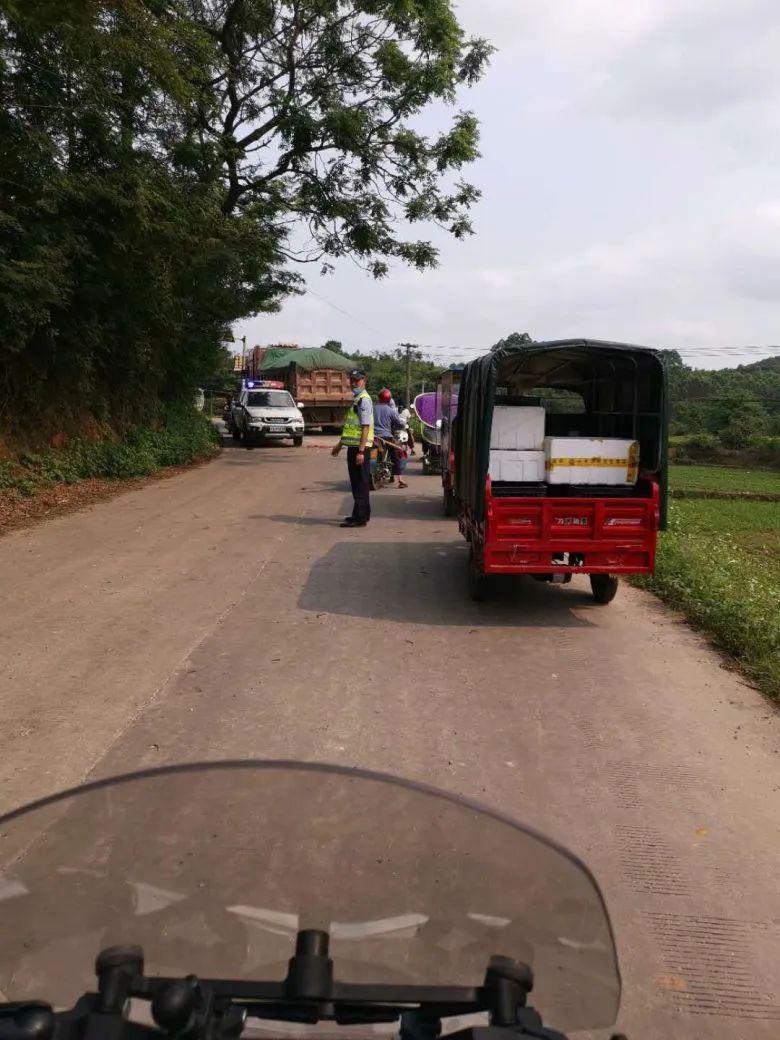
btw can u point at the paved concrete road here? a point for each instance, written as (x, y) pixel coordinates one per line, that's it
(223, 614)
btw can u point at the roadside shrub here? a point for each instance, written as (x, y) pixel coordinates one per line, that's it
(185, 435)
(765, 444)
(696, 447)
(701, 442)
(754, 450)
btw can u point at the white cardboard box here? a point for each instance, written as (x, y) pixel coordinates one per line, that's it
(517, 428)
(591, 460)
(520, 467)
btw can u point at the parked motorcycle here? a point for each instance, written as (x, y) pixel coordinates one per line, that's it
(382, 463)
(212, 898)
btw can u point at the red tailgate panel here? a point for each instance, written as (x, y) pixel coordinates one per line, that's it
(614, 535)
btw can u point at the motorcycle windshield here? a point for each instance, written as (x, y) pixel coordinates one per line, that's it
(213, 868)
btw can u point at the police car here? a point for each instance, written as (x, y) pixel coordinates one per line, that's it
(264, 410)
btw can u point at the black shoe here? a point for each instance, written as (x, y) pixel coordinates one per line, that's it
(349, 522)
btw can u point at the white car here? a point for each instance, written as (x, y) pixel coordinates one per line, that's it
(265, 414)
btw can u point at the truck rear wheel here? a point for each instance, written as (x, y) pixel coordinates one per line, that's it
(604, 587)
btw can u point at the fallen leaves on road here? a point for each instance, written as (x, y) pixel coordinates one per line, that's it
(669, 981)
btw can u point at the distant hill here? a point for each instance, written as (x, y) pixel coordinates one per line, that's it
(770, 364)
(735, 405)
(736, 408)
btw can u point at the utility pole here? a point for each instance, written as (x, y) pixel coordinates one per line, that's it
(408, 375)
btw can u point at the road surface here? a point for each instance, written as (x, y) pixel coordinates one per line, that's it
(224, 614)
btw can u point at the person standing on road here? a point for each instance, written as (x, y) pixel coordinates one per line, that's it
(406, 415)
(357, 437)
(388, 423)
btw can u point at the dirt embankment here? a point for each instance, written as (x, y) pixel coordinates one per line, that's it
(18, 510)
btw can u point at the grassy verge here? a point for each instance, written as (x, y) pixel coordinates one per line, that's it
(184, 436)
(719, 563)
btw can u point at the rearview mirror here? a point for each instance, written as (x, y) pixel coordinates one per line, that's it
(300, 405)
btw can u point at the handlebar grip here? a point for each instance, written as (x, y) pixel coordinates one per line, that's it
(31, 1020)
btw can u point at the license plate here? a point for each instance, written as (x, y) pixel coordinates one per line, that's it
(277, 429)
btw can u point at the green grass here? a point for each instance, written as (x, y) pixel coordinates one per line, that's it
(719, 563)
(731, 516)
(184, 436)
(724, 478)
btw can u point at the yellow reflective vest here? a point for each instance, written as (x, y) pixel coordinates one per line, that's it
(350, 434)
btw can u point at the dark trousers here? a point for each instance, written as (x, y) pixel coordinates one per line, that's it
(395, 459)
(360, 479)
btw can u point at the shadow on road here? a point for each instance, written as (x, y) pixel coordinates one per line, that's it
(254, 457)
(425, 583)
(260, 446)
(327, 485)
(274, 446)
(300, 521)
(389, 503)
(394, 504)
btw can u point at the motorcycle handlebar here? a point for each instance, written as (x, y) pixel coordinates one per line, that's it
(38, 1022)
(33, 1020)
(217, 1009)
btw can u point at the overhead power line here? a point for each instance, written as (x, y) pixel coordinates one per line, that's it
(343, 311)
(732, 357)
(462, 353)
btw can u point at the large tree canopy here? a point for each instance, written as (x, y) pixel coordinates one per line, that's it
(163, 161)
(310, 112)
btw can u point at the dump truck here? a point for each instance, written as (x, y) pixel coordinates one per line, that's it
(317, 379)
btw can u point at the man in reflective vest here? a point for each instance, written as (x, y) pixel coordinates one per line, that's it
(358, 437)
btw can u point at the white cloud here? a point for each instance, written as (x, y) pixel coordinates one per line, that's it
(750, 253)
(697, 61)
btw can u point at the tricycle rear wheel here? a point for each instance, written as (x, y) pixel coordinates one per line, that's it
(450, 502)
(604, 587)
(477, 577)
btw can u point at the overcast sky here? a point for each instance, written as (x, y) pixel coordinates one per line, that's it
(630, 174)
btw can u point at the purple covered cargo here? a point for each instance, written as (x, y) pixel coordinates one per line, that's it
(425, 407)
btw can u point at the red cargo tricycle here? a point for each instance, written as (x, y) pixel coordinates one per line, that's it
(527, 512)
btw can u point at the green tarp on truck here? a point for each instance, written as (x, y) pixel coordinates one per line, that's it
(306, 358)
